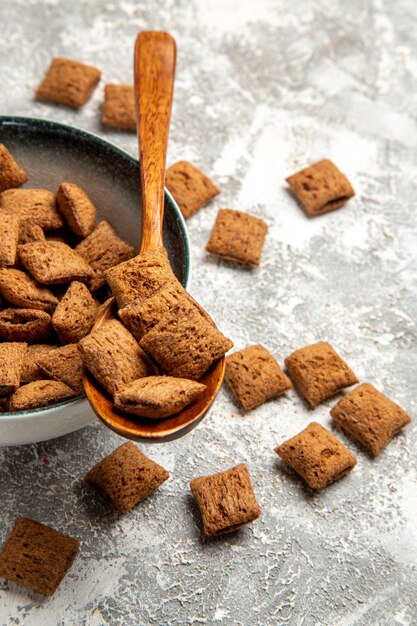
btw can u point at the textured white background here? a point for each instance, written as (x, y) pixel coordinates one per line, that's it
(262, 89)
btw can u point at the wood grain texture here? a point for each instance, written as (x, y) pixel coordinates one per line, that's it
(155, 56)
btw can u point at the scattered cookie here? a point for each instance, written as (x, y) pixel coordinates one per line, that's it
(254, 376)
(29, 232)
(190, 187)
(65, 365)
(75, 314)
(33, 205)
(22, 291)
(237, 236)
(11, 174)
(119, 109)
(76, 207)
(53, 262)
(103, 249)
(37, 556)
(11, 362)
(113, 356)
(158, 396)
(30, 368)
(226, 500)
(317, 455)
(321, 187)
(9, 238)
(38, 394)
(369, 417)
(184, 343)
(127, 476)
(144, 313)
(28, 325)
(139, 277)
(318, 372)
(68, 82)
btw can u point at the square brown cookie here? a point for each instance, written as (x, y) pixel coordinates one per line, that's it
(127, 476)
(103, 249)
(22, 291)
(321, 187)
(30, 325)
(76, 207)
(9, 238)
(32, 205)
(40, 393)
(11, 362)
(75, 314)
(139, 277)
(184, 343)
(11, 174)
(119, 109)
(144, 313)
(30, 368)
(113, 356)
(53, 262)
(317, 455)
(190, 187)
(29, 232)
(226, 500)
(68, 82)
(318, 372)
(254, 376)
(237, 236)
(369, 417)
(37, 556)
(65, 365)
(158, 396)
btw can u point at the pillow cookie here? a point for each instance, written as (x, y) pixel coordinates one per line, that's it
(318, 372)
(11, 174)
(77, 208)
(68, 82)
(226, 500)
(254, 376)
(119, 109)
(9, 238)
(369, 417)
(190, 187)
(139, 277)
(37, 556)
(103, 249)
(75, 314)
(126, 476)
(53, 262)
(320, 188)
(237, 236)
(113, 356)
(158, 396)
(317, 455)
(40, 393)
(37, 206)
(184, 343)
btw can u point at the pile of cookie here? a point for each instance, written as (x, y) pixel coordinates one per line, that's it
(151, 365)
(162, 329)
(53, 257)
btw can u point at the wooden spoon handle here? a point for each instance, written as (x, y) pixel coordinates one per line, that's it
(155, 55)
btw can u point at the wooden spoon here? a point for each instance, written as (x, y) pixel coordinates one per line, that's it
(154, 71)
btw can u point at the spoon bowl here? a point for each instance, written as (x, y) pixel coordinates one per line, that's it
(155, 55)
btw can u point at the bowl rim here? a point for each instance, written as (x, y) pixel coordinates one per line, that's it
(51, 125)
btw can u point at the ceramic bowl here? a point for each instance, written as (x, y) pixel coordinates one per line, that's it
(52, 153)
